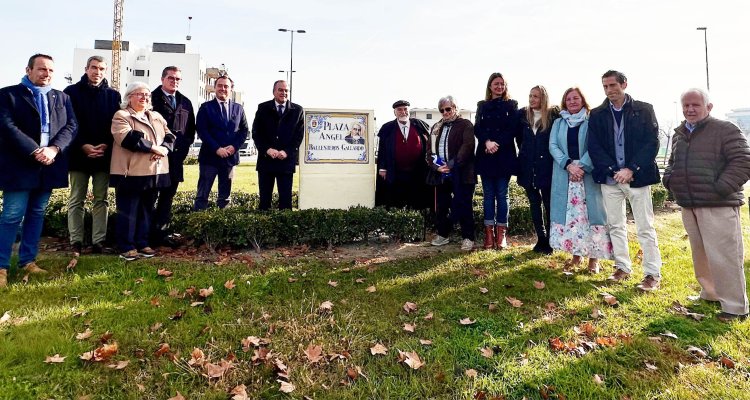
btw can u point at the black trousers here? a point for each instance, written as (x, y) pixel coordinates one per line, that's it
(207, 176)
(408, 190)
(163, 211)
(266, 182)
(134, 213)
(540, 216)
(454, 205)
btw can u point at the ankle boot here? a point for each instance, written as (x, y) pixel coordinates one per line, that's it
(500, 241)
(489, 236)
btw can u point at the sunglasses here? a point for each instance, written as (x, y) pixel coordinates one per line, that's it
(446, 109)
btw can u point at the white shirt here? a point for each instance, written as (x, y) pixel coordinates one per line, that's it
(226, 104)
(404, 129)
(283, 106)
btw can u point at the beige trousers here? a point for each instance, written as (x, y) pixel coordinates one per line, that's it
(718, 255)
(614, 197)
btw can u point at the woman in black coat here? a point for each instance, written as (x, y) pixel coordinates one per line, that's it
(535, 174)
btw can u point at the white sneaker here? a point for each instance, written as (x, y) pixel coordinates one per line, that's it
(439, 241)
(467, 245)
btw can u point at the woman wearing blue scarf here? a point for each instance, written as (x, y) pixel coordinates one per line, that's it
(577, 213)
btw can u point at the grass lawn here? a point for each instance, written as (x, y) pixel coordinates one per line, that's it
(245, 179)
(636, 350)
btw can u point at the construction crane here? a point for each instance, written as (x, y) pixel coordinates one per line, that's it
(116, 45)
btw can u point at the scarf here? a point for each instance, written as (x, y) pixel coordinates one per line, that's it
(438, 127)
(576, 119)
(40, 98)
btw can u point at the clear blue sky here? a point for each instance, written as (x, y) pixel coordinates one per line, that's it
(365, 55)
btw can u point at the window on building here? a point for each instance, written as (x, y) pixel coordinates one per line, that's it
(141, 58)
(139, 72)
(428, 116)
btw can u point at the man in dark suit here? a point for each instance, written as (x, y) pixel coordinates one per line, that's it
(278, 130)
(178, 111)
(222, 126)
(37, 124)
(95, 103)
(402, 167)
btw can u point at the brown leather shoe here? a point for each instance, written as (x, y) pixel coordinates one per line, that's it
(729, 317)
(649, 284)
(3, 278)
(618, 276)
(489, 236)
(32, 268)
(500, 241)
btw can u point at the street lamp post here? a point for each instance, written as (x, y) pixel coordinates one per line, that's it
(291, 56)
(705, 40)
(286, 72)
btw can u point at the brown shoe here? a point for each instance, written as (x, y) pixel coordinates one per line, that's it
(32, 268)
(489, 236)
(500, 241)
(618, 276)
(146, 252)
(649, 284)
(593, 268)
(729, 317)
(3, 278)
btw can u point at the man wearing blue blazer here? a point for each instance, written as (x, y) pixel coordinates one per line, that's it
(278, 130)
(222, 126)
(37, 125)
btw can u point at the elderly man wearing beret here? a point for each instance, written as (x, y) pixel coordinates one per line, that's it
(401, 160)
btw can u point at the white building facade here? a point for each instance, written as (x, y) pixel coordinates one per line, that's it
(432, 115)
(741, 118)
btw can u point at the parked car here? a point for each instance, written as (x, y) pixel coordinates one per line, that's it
(247, 149)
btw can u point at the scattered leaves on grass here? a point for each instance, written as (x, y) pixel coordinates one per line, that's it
(360, 280)
(726, 362)
(471, 373)
(313, 353)
(239, 393)
(598, 379)
(196, 357)
(325, 307)
(163, 272)
(409, 307)
(162, 350)
(585, 329)
(467, 321)
(483, 290)
(669, 335)
(285, 387)
(178, 396)
(596, 313)
(71, 264)
(5, 318)
(410, 358)
(216, 371)
(514, 301)
(410, 327)
(254, 341)
(682, 310)
(492, 307)
(103, 353)
(378, 349)
(650, 367)
(333, 283)
(155, 327)
(229, 284)
(371, 289)
(425, 342)
(429, 316)
(85, 334)
(696, 351)
(291, 280)
(206, 292)
(127, 292)
(196, 303)
(609, 299)
(56, 359)
(119, 365)
(487, 352)
(539, 285)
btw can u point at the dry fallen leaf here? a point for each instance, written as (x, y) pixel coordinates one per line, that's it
(425, 342)
(696, 351)
(492, 307)
(217, 370)
(229, 284)
(85, 334)
(162, 350)
(539, 285)
(467, 321)
(206, 292)
(163, 272)
(360, 280)
(371, 289)
(119, 365)
(428, 317)
(514, 302)
(5, 318)
(326, 306)
(56, 359)
(726, 362)
(669, 335)
(651, 367)
(72, 264)
(286, 387)
(487, 352)
(178, 396)
(313, 353)
(409, 307)
(483, 290)
(410, 358)
(598, 379)
(609, 299)
(292, 280)
(596, 313)
(410, 327)
(239, 393)
(196, 303)
(25, 279)
(196, 357)
(127, 292)
(471, 373)
(378, 349)
(333, 283)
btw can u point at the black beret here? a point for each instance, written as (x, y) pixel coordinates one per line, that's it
(401, 103)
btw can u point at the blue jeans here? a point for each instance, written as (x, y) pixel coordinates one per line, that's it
(495, 200)
(19, 207)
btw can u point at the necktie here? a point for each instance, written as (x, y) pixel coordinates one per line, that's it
(406, 132)
(281, 109)
(172, 101)
(224, 110)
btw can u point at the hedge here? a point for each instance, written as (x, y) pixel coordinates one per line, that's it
(243, 225)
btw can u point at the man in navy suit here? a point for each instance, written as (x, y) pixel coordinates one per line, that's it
(222, 126)
(37, 124)
(278, 130)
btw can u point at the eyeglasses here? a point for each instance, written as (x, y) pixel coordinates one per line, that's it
(445, 110)
(143, 95)
(173, 79)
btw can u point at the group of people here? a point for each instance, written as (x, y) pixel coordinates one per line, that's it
(136, 144)
(577, 165)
